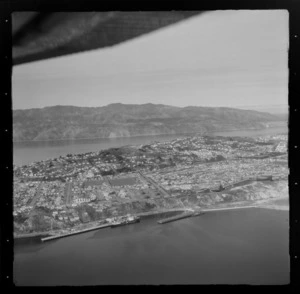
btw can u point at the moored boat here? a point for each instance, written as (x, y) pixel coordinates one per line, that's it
(125, 221)
(198, 213)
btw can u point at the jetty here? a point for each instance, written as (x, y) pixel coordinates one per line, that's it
(75, 232)
(230, 208)
(196, 213)
(176, 217)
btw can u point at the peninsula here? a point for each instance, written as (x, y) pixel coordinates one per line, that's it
(78, 191)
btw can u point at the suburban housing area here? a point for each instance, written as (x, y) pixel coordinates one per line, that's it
(199, 172)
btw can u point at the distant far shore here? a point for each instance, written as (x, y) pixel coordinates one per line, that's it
(95, 138)
(152, 135)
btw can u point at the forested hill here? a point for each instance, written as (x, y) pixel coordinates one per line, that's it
(125, 120)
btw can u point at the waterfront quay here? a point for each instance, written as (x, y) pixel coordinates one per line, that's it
(190, 213)
(176, 217)
(229, 208)
(161, 211)
(186, 213)
(32, 236)
(75, 232)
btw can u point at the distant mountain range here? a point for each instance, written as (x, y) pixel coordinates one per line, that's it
(126, 120)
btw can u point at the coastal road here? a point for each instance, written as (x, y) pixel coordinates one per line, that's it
(157, 186)
(36, 195)
(68, 193)
(107, 181)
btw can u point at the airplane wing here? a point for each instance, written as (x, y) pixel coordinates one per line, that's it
(38, 36)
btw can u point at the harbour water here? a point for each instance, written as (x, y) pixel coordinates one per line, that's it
(249, 246)
(27, 152)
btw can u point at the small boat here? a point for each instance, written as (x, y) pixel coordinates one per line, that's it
(133, 219)
(198, 213)
(116, 224)
(126, 221)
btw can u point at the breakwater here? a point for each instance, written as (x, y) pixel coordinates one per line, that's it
(33, 236)
(75, 232)
(230, 208)
(145, 214)
(160, 212)
(176, 217)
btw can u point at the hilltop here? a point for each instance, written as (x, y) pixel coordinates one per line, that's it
(126, 120)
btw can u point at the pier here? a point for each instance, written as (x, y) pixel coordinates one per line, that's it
(75, 233)
(229, 208)
(141, 214)
(176, 217)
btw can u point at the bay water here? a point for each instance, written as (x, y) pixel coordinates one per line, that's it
(28, 152)
(247, 246)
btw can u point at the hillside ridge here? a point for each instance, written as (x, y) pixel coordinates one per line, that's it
(126, 120)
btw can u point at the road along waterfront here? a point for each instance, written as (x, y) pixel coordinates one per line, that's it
(182, 213)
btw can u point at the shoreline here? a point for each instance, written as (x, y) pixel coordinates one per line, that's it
(263, 203)
(269, 203)
(90, 225)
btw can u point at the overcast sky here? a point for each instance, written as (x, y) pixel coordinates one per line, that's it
(221, 58)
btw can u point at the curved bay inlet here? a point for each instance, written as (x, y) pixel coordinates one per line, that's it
(247, 246)
(27, 152)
